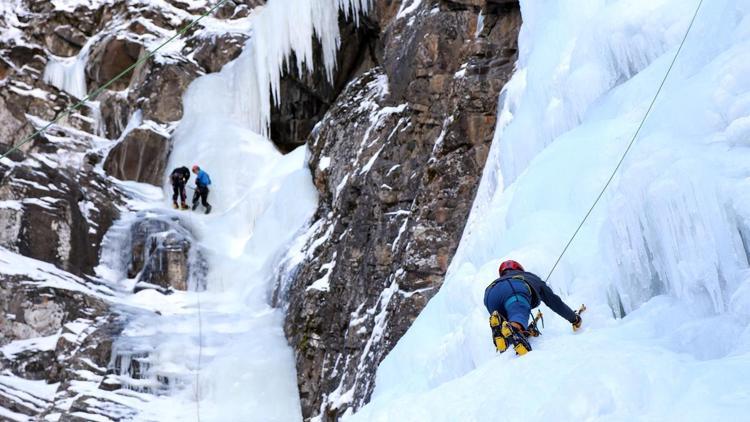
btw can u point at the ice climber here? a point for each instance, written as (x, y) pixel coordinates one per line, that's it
(202, 181)
(179, 179)
(510, 299)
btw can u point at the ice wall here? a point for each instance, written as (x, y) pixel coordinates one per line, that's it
(278, 30)
(667, 246)
(234, 345)
(69, 73)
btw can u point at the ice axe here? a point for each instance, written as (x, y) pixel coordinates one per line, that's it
(579, 312)
(533, 329)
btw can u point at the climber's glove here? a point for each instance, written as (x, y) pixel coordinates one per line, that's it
(577, 323)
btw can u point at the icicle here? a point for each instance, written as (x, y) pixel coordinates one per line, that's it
(69, 74)
(279, 30)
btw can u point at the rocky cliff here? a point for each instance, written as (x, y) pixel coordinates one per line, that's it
(396, 161)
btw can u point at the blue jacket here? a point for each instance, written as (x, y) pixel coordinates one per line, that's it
(202, 180)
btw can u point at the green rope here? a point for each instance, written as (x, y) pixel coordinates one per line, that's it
(630, 145)
(98, 91)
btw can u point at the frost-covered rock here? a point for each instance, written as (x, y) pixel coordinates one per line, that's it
(157, 87)
(141, 156)
(215, 50)
(54, 330)
(116, 112)
(163, 255)
(54, 216)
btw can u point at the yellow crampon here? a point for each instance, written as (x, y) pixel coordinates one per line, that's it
(500, 331)
(521, 348)
(503, 336)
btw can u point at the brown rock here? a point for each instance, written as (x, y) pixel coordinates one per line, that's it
(65, 40)
(214, 52)
(13, 126)
(71, 34)
(108, 59)
(236, 9)
(27, 55)
(158, 85)
(141, 156)
(4, 69)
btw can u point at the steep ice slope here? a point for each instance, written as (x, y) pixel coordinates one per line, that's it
(667, 247)
(229, 340)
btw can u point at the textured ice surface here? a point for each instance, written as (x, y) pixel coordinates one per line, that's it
(278, 30)
(667, 247)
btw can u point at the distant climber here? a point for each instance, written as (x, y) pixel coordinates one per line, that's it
(202, 181)
(179, 178)
(510, 299)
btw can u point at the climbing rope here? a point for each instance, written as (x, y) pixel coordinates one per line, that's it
(98, 91)
(200, 358)
(200, 341)
(630, 145)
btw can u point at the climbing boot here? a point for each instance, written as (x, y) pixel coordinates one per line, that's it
(518, 338)
(185, 206)
(208, 209)
(195, 205)
(174, 205)
(500, 332)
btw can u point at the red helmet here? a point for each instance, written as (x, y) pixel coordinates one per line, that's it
(509, 265)
(196, 168)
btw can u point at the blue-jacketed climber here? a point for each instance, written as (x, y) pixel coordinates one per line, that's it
(510, 299)
(202, 181)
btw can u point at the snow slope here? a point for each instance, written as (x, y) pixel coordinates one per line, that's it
(667, 247)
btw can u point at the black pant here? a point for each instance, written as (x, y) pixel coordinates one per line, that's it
(178, 189)
(201, 192)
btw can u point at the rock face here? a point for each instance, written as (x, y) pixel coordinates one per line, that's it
(396, 160)
(55, 208)
(109, 58)
(218, 50)
(50, 334)
(157, 88)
